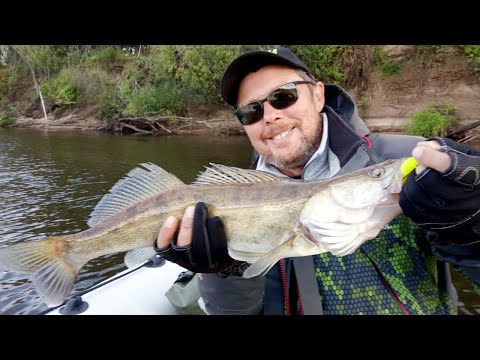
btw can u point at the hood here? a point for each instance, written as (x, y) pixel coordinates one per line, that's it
(345, 107)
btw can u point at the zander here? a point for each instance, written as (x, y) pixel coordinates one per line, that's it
(266, 218)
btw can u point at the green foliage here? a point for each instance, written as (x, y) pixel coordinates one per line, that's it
(5, 73)
(106, 57)
(473, 54)
(164, 60)
(7, 116)
(174, 78)
(6, 120)
(433, 121)
(200, 69)
(19, 74)
(98, 89)
(46, 60)
(426, 51)
(390, 68)
(383, 65)
(136, 75)
(166, 96)
(324, 61)
(62, 88)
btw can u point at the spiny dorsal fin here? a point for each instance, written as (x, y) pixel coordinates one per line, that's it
(139, 184)
(221, 174)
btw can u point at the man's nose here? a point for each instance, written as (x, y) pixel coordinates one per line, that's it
(270, 114)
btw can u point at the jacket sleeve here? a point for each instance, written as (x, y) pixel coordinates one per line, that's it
(233, 295)
(393, 146)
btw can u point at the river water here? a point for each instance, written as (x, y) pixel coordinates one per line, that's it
(51, 181)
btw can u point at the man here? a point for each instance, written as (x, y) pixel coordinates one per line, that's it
(302, 128)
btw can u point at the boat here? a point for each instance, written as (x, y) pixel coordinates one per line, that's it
(163, 289)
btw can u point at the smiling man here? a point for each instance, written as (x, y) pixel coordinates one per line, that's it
(303, 128)
(286, 138)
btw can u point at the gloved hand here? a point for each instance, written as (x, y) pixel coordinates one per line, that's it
(449, 199)
(208, 251)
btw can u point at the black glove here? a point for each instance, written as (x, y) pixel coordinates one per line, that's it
(447, 200)
(208, 251)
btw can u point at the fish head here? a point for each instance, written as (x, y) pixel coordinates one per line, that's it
(371, 186)
(353, 208)
(365, 188)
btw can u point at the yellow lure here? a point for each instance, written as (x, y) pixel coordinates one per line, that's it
(407, 167)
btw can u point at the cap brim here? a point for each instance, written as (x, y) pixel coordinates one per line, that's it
(245, 64)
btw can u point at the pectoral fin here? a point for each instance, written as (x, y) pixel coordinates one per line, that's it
(266, 262)
(327, 229)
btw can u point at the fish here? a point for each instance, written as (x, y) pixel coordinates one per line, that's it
(266, 218)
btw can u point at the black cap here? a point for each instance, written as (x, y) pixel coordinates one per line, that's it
(253, 61)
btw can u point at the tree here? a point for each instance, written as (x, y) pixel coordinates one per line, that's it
(37, 59)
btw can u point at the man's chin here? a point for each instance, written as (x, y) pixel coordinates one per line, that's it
(287, 163)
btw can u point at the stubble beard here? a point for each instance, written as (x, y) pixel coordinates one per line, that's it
(304, 152)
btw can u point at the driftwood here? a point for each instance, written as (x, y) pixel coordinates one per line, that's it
(470, 139)
(159, 124)
(145, 124)
(139, 131)
(457, 134)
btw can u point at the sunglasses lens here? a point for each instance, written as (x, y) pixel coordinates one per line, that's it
(250, 113)
(280, 98)
(283, 97)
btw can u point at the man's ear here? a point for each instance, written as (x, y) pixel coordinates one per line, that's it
(319, 95)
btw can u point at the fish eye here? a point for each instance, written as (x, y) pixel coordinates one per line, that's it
(376, 172)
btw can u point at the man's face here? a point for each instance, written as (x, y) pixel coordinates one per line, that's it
(287, 138)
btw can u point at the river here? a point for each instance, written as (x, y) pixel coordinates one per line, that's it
(51, 181)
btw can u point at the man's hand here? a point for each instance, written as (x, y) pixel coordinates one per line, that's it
(428, 156)
(444, 191)
(201, 243)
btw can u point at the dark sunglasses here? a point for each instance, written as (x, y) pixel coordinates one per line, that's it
(280, 98)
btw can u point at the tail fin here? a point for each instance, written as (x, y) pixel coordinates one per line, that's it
(53, 276)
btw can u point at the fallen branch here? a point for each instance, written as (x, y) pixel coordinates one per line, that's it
(181, 127)
(463, 129)
(205, 122)
(468, 138)
(136, 129)
(163, 127)
(156, 118)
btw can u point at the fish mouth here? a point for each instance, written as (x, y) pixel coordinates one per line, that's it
(394, 182)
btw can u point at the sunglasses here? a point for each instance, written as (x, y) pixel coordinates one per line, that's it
(280, 98)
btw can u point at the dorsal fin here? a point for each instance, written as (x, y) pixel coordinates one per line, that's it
(221, 174)
(139, 184)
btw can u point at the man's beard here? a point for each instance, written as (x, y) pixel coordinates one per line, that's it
(307, 148)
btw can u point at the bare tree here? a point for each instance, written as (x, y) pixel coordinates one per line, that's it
(29, 54)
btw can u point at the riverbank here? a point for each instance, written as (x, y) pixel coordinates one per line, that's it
(220, 123)
(416, 78)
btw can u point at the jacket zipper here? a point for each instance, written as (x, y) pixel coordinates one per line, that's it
(390, 290)
(285, 287)
(285, 292)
